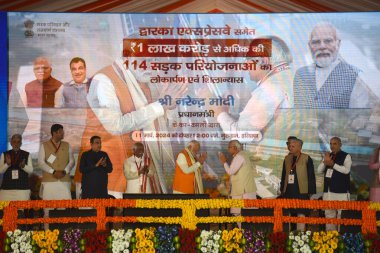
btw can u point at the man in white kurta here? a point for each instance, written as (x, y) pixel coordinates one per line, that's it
(139, 175)
(242, 172)
(56, 183)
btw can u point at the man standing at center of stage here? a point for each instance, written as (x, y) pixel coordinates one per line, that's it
(95, 166)
(41, 92)
(187, 175)
(56, 160)
(242, 172)
(298, 178)
(336, 167)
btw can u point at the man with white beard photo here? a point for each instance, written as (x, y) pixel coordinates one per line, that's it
(330, 82)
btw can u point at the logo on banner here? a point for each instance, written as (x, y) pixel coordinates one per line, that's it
(29, 28)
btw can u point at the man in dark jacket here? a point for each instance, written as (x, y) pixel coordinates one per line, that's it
(95, 166)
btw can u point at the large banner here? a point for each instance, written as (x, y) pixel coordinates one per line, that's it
(167, 79)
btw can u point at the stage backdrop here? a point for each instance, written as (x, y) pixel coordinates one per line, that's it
(254, 77)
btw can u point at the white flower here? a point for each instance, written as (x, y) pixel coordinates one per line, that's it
(129, 233)
(16, 251)
(294, 245)
(14, 246)
(121, 247)
(216, 237)
(17, 232)
(297, 238)
(126, 251)
(9, 233)
(308, 232)
(204, 249)
(296, 250)
(291, 237)
(301, 243)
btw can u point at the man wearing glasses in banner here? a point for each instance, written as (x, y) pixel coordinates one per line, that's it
(330, 82)
(41, 92)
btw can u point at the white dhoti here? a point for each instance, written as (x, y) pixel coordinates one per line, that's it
(332, 213)
(54, 191)
(134, 186)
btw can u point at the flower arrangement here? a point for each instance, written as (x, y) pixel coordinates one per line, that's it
(372, 242)
(276, 242)
(353, 243)
(299, 242)
(47, 240)
(233, 240)
(255, 241)
(18, 241)
(167, 239)
(209, 241)
(325, 241)
(188, 240)
(95, 241)
(71, 241)
(121, 240)
(189, 220)
(144, 240)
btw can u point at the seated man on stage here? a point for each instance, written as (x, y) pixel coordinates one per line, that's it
(16, 164)
(298, 178)
(187, 175)
(140, 176)
(95, 166)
